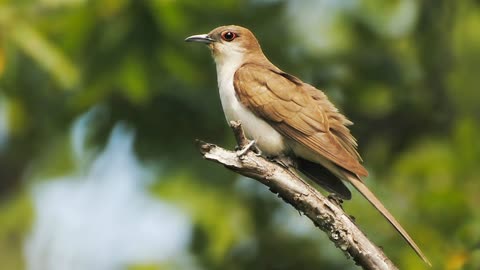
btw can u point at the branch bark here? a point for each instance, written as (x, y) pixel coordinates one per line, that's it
(326, 214)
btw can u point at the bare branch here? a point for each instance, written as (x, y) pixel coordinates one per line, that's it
(325, 213)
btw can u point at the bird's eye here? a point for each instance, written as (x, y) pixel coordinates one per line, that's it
(228, 36)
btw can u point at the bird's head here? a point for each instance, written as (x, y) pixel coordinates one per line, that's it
(230, 43)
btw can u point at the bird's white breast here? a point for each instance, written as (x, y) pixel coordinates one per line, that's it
(268, 140)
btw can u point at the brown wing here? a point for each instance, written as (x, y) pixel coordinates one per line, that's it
(300, 112)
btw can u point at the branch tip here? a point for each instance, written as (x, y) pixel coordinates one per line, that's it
(204, 146)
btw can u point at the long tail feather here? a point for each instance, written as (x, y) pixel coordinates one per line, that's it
(363, 189)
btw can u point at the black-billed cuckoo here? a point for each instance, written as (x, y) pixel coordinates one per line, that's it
(285, 116)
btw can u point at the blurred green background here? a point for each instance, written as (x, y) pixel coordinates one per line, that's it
(406, 72)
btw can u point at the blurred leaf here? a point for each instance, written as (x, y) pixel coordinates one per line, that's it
(46, 54)
(390, 18)
(466, 131)
(60, 3)
(2, 60)
(177, 65)
(456, 261)
(134, 79)
(109, 8)
(145, 267)
(16, 216)
(463, 81)
(474, 260)
(170, 15)
(18, 119)
(377, 101)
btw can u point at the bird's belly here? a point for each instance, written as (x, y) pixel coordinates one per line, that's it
(267, 139)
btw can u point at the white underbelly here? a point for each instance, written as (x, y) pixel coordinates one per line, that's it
(267, 139)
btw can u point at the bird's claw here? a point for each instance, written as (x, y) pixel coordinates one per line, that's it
(247, 147)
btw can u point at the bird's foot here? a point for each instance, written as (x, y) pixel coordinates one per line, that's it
(249, 146)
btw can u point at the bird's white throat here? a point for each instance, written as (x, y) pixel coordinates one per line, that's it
(267, 139)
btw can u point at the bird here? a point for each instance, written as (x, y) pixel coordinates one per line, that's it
(285, 116)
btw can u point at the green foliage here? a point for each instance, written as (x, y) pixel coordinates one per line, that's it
(406, 72)
(16, 216)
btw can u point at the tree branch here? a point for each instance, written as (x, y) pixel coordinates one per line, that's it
(326, 214)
